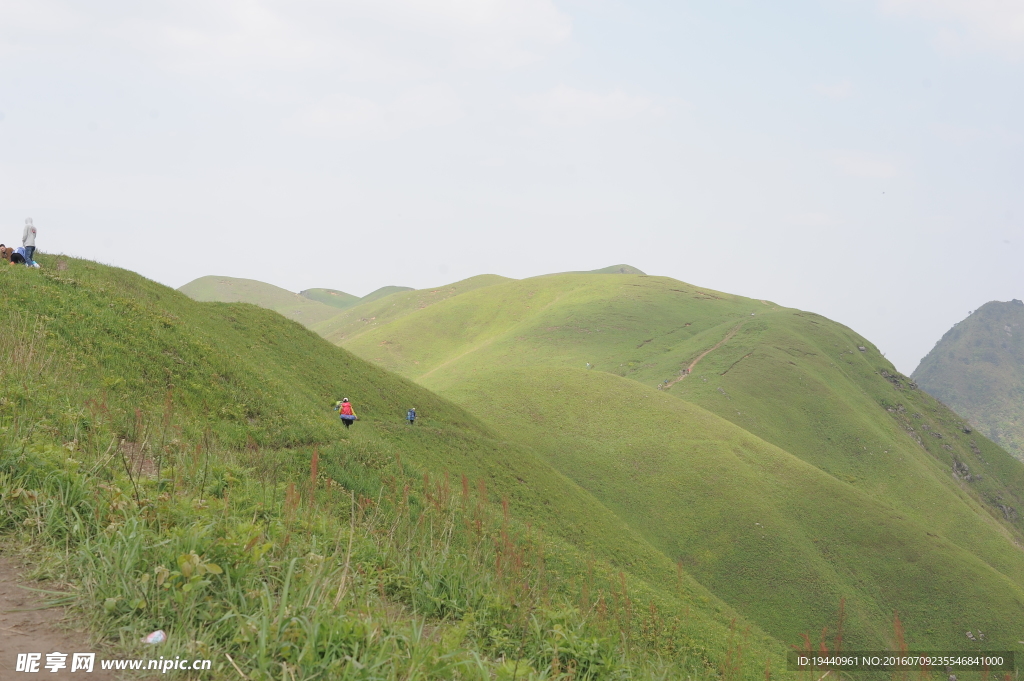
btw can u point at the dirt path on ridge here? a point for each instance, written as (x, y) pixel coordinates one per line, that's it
(28, 626)
(693, 364)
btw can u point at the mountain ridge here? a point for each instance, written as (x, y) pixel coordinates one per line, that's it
(977, 368)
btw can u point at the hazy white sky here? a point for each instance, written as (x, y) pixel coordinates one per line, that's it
(859, 158)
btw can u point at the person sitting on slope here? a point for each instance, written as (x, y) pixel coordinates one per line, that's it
(346, 413)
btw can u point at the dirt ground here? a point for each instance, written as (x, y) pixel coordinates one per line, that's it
(27, 626)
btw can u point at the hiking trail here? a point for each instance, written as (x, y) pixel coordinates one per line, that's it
(693, 364)
(28, 625)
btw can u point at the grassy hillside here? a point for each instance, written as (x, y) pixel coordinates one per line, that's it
(302, 309)
(738, 412)
(977, 368)
(374, 312)
(157, 454)
(229, 290)
(328, 296)
(382, 292)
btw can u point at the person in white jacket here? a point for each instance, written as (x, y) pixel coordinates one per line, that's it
(28, 240)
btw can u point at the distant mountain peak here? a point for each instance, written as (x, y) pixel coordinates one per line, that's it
(618, 269)
(977, 368)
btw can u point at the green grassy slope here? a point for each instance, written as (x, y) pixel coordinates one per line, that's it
(878, 448)
(328, 296)
(237, 378)
(373, 312)
(776, 537)
(231, 290)
(977, 368)
(382, 292)
(849, 413)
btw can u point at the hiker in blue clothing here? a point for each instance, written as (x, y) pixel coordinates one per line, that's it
(411, 416)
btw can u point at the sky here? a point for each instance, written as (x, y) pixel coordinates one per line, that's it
(857, 158)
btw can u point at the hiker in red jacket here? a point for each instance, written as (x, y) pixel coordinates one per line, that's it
(347, 414)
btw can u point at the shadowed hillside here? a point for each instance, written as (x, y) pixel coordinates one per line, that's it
(977, 368)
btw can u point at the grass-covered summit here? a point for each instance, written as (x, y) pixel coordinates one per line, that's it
(327, 296)
(176, 465)
(617, 269)
(977, 368)
(774, 454)
(307, 310)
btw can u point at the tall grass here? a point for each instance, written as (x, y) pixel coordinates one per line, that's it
(335, 563)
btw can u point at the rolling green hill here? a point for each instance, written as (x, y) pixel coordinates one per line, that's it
(373, 312)
(382, 292)
(296, 307)
(977, 368)
(774, 453)
(310, 307)
(328, 296)
(145, 437)
(231, 290)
